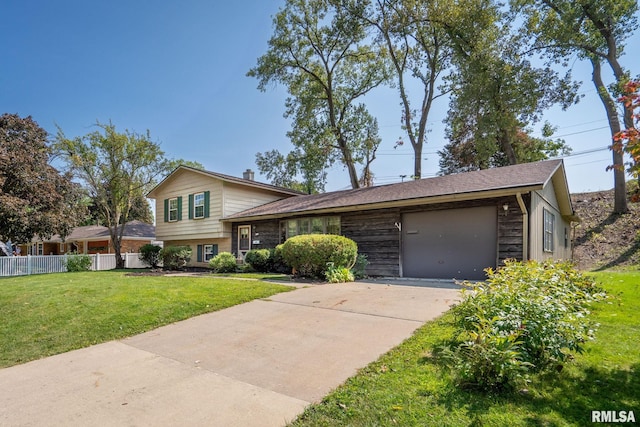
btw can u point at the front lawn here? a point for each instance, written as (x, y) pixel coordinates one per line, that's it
(408, 387)
(53, 313)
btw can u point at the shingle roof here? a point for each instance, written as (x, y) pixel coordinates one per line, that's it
(133, 229)
(227, 178)
(509, 177)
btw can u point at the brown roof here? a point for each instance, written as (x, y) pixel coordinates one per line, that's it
(227, 178)
(133, 229)
(527, 175)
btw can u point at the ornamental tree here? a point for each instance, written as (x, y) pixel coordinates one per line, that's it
(35, 199)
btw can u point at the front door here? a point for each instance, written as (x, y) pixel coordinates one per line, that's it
(244, 240)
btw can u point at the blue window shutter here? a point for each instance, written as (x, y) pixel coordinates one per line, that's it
(199, 253)
(215, 250)
(206, 204)
(166, 210)
(190, 206)
(180, 208)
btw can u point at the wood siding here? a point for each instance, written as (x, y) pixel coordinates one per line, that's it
(541, 200)
(181, 185)
(378, 237)
(224, 199)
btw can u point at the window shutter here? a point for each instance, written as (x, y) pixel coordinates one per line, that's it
(190, 206)
(166, 210)
(215, 250)
(206, 204)
(199, 258)
(180, 208)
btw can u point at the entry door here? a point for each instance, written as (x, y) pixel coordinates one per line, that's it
(244, 240)
(452, 243)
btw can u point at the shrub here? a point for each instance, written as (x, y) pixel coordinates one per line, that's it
(278, 264)
(338, 274)
(150, 254)
(360, 266)
(259, 260)
(74, 262)
(224, 262)
(310, 254)
(175, 257)
(527, 317)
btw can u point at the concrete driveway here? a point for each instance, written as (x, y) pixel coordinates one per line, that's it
(255, 364)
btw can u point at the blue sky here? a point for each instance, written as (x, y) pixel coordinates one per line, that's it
(179, 70)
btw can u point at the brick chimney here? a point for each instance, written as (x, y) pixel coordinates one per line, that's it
(248, 175)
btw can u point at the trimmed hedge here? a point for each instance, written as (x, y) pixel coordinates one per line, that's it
(310, 255)
(224, 262)
(259, 260)
(175, 257)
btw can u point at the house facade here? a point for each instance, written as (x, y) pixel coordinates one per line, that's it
(92, 239)
(446, 227)
(190, 204)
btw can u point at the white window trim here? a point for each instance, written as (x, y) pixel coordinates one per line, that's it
(172, 209)
(548, 236)
(196, 205)
(207, 252)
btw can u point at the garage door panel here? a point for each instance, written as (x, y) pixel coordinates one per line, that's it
(457, 243)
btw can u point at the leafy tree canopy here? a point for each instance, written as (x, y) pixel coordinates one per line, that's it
(116, 169)
(35, 199)
(320, 54)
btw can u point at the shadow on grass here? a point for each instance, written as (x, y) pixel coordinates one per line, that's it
(553, 399)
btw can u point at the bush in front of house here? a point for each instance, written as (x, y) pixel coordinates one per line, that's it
(259, 260)
(358, 269)
(224, 262)
(311, 254)
(338, 274)
(77, 262)
(527, 317)
(150, 254)
(175, 257)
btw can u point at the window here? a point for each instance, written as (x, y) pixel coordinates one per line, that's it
(173, 210)
(206, 252)
(37, 249)
(549, 224)
(198, 205)
(317, 225)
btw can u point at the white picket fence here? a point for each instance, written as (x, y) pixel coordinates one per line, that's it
(42, 264)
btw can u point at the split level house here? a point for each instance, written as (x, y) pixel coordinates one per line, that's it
(452, 226)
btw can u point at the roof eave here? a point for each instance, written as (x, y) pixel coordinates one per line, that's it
(455, 197)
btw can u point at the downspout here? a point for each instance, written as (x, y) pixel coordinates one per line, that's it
(525, 227)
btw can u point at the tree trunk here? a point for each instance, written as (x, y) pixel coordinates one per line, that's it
(507, 148)
(619, 183)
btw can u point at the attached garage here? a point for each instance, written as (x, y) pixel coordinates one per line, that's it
(452, 243)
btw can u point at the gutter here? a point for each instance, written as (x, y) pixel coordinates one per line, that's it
(525, 227)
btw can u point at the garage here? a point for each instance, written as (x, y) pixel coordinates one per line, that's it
(452, 243)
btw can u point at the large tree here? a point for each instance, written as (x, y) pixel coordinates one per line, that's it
(319, 52)
(595, 30)
(35, 199)
(418, 52)
(116, 168)
(496, 91)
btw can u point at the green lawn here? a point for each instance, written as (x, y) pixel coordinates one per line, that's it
(407, 387)
(53, 313)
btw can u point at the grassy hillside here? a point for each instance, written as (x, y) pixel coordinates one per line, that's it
(604, 240)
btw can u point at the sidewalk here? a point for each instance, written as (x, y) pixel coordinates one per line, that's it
(255, 364)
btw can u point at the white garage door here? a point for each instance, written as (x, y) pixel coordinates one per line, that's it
(447, 244)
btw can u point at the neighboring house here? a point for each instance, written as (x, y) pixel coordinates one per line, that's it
(190, 204)
(447, 227)
(93, 239)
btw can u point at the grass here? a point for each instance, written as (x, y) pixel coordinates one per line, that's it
(407, 387)
(52, 313)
